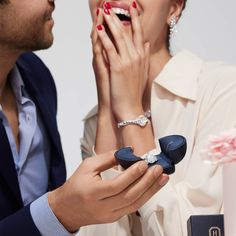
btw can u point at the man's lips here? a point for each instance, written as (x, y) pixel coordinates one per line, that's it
(48, 15)
(50, 10)
(48, 18)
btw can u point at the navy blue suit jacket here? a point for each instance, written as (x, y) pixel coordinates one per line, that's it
(15, 219)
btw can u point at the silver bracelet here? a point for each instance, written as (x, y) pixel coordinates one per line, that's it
(147, 114)
(141, 120)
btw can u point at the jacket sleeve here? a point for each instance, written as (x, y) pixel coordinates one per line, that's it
(20, 222)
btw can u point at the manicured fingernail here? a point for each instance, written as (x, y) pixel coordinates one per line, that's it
(163, 180)
(107, 5)
(107, 11)
(99, 27)
(97, 12)
(143, 166)
(134, 5)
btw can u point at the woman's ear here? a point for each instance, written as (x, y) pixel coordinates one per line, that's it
(176, 9)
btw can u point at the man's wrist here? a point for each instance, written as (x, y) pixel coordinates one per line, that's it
(59, 210)
(45, 219)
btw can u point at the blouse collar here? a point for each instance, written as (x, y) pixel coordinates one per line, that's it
(180, 75)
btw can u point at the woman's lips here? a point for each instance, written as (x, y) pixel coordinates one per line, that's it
(120, 5)
(119, 8)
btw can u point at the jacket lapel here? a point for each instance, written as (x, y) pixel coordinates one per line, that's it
(48, 119)
(7, 166)
(43, 100)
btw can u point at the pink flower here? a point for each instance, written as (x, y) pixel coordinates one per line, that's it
(221, 149)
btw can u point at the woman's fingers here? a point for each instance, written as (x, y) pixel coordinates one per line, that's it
(107, 44)
(127, 46)
(137, 28)
(147, 62)
(96, 43)
(117, 32)
(99, 57)
(100, 67)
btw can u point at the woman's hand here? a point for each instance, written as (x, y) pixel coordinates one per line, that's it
(100, 66)
(128, 61)
(107, 135)
(128, 58)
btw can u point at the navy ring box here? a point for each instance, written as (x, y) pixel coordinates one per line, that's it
(173, 150)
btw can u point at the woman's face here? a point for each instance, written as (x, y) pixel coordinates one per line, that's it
(154, 16)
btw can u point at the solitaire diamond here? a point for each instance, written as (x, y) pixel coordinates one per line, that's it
(150, 158)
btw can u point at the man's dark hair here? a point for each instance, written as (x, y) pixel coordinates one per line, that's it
(184, 4)
(4, 2)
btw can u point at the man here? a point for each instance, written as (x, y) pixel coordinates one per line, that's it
(34, 197)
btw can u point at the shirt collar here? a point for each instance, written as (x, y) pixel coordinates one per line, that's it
(180, 75)
(16, 83)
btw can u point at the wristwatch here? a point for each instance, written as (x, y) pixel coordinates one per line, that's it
(142, 121)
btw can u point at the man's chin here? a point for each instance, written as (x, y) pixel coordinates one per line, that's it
(40, 45)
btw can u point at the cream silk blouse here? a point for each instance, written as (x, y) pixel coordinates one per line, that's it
(195, 99)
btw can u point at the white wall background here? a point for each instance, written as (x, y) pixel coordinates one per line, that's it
(207, 28)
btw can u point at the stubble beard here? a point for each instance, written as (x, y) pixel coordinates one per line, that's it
(26, 36)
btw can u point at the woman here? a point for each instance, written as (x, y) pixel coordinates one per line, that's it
(135, 73)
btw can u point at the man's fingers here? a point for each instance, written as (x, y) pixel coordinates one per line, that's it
(136, 189)
(112, 187)
(144, 198)
(102, 162)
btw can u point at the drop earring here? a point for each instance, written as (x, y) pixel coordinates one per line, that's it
(173, 27)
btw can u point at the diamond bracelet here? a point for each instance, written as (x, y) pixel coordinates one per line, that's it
(141, 120)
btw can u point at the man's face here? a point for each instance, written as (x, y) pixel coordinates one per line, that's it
(26, 24)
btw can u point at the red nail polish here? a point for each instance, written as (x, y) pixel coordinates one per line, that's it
(107, 5)
(97, 12)
(134, 5)
(107, 11)
(99, 27)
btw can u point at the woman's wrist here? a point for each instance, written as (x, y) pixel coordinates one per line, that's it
(105, 113)
(106, 120)
(129, 114)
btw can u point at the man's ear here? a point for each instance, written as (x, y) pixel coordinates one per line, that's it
(175, 10)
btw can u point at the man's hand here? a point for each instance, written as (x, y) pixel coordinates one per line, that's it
(87, 199)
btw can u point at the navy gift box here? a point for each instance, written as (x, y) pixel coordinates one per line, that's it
(206, 225)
